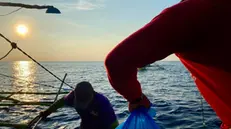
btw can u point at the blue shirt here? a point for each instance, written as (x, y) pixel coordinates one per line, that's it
(98, 115)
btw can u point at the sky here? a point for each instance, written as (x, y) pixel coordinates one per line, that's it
(85, 31)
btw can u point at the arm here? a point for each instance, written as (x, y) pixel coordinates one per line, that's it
(164, 35)
(58, 104)
(66, 100)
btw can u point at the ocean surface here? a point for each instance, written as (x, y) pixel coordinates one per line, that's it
(167, 84)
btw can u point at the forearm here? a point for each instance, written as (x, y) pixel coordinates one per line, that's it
(123, 79)
(58, 104)
(123, 61)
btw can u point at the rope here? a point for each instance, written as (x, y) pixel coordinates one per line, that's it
(14, 45)
(11, 12)
(43, 67)
(5, 38)
(6, 54)
(27, 81)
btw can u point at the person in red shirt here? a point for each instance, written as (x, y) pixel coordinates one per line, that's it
(199, 33)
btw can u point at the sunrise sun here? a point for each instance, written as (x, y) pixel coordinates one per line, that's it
(22, 29)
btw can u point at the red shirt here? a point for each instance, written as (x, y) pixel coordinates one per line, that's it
(199, 33)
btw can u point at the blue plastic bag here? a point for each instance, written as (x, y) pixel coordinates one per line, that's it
(140, 119)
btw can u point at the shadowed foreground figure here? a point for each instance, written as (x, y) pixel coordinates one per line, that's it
(94, 109)
(199, 33)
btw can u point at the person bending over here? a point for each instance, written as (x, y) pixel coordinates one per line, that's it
(94, 109)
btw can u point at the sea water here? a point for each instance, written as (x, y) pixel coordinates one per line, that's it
(168, 85)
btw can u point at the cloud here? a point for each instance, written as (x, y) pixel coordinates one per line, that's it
(81, 4)
(66, 4)
(89, 4)
(74, 24)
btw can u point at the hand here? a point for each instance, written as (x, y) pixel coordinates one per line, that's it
(141, 102)
(44, 114)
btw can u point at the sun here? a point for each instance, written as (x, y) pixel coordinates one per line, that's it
(22, 29)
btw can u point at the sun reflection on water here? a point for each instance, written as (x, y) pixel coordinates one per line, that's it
(25, 72)
(24, 68)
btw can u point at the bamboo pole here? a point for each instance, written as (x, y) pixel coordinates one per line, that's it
(27, 103)
(56, 97)
(36, 93)
(35, 125)
(38, 118)
(7, 98)
(17, 126)
(34, 121)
